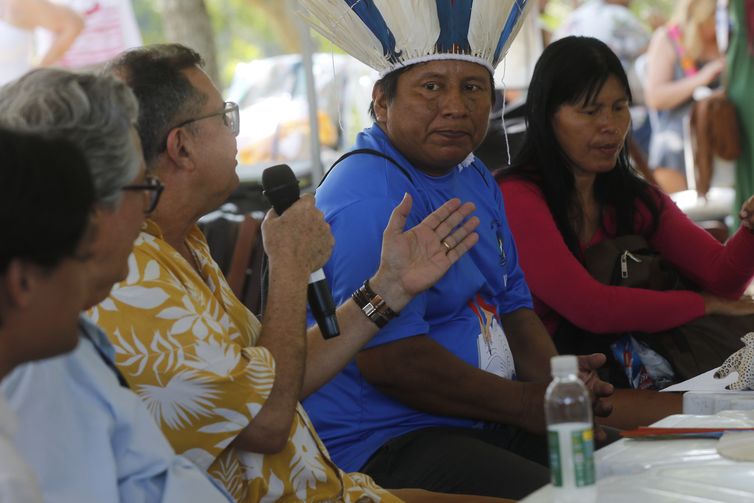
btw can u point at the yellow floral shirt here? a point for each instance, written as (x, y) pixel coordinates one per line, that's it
(186, 345)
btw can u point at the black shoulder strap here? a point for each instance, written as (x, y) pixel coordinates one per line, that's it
(370, 151)
(367, 151)
(479, 171)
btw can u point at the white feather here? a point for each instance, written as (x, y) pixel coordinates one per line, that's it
(414, 25)
(488, 18)
(337, 22)
(514, 32)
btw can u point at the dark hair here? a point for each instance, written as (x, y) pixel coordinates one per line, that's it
(166, 97)
(570, 71)
(389, 85)
(47, 196)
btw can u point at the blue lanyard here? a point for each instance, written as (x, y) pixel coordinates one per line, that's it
(121, 380)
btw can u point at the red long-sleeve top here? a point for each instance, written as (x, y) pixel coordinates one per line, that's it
(562, 287)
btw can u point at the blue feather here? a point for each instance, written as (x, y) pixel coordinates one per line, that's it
(455, 16)
(370, 15)
(515, 14)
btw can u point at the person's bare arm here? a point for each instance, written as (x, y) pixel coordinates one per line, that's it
(531, 345)
(297, 243)
(411, 261)
(63, 22)
(661, 91)
(424, 375)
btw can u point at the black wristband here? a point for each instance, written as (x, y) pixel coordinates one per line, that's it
(372, 305)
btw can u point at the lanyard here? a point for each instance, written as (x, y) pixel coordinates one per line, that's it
(687, 64)
(121, 380)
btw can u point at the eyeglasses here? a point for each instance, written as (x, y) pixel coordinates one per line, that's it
(152, 187)
(231, 119)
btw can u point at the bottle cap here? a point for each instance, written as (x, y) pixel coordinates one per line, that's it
(564, 365)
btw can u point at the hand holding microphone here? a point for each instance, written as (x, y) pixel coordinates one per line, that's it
(310, 236)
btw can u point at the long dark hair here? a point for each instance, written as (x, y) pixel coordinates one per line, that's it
(570, 71)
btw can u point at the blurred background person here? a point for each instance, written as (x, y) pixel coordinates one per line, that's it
(109, 28)
(42, 276)
(682, 56)
(19, 19)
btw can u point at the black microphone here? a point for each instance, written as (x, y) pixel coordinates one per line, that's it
(281, 188)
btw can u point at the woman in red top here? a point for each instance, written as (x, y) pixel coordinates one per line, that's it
(572, 186)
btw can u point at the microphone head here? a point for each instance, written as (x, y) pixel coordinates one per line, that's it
(280, 186)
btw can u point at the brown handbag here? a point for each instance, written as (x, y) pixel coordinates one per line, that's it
(714, 132)
(629, 261)
(693, 348)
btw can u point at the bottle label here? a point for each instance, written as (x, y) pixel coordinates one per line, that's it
(571, 455)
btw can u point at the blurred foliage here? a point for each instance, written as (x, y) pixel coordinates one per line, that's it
(651, 12)
(241, 34)
(241, 31)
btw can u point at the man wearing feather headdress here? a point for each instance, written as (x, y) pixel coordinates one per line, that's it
(449, 395)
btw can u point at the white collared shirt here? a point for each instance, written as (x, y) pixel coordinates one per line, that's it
(88, 438)
(17, 483)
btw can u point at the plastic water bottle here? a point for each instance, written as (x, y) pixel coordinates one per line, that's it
(568, 410)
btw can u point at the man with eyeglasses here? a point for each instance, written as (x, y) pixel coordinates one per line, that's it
(86, 436)
(223, 387)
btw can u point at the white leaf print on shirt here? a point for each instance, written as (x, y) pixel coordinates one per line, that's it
(234, 421)
(152, 271)
(186, 396)
(133, 270)
(275, 490)
(188, 318)
(261, 371)
(132, 354)
(252, 464)
(169, 353)
(306, 465)
(363, 489)
(214, 356)
(228, 472)
(199, 457)
(139, 297)
(148, 239)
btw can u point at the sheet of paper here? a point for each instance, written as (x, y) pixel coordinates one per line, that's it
(704, 382)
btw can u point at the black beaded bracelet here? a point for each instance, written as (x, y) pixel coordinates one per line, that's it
(372, 305)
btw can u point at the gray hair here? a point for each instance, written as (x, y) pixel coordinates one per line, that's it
(95, 112)
(155, 73)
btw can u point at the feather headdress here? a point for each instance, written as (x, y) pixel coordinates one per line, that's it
(389, 34)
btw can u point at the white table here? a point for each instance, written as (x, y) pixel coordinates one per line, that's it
(660, 471)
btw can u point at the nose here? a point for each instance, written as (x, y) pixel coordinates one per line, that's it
(611, 122)
(454, 104)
